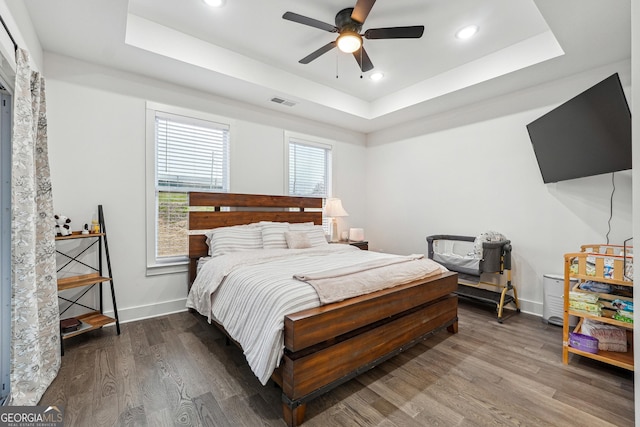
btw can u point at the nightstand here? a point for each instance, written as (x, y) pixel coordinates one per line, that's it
(363, 245)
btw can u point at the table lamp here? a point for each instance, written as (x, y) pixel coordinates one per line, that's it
(333, 209)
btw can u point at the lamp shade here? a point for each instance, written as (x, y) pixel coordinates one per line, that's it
(333, 208)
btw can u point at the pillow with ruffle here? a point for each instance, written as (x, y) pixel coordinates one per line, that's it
(297, 239)
(314, 232)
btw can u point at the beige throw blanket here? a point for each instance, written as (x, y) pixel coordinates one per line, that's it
(359, 279)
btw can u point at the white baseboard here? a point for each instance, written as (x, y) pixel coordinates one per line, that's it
(530, 307)
(130, 314)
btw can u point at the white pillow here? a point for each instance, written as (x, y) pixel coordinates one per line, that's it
(297, 239)
(301, 225)
(273, 235)
(314, 232)
(208, 233)
(224, 240)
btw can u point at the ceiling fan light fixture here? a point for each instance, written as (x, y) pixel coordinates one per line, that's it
(376, 76)
(467, 32)
(215, 3)
(349, 41)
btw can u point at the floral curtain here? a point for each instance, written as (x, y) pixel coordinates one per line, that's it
(35, 346)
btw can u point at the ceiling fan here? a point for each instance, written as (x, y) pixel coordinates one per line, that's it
(349, 23)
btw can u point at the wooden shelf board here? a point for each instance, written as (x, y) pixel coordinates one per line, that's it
(602, 319)
(622, 360)
(602, 280)
(94, 319)
(77, 281)
(78, 235)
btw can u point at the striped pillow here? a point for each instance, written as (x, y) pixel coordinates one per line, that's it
(224, 240)
(273, 235)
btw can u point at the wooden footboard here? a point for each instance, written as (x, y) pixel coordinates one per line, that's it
(326, 346)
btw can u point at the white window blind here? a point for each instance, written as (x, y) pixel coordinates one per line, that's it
(308, 169)
(191, 155)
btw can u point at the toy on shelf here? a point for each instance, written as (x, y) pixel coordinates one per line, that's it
(62, 227)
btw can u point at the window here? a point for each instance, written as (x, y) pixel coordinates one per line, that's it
(188, 154)
(309, 169)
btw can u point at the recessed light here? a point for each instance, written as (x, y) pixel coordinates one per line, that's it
(467, 32)
(214, 3)
(376, 76)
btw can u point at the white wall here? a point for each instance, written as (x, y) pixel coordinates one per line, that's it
(96, 122)
(463, 180)
(484, 176)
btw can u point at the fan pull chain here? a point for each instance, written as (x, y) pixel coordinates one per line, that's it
(336, 65)
(361, 64)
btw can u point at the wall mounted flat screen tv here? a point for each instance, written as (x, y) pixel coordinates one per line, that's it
(588, 135)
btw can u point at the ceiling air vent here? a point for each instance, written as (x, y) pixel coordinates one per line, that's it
(283, 101)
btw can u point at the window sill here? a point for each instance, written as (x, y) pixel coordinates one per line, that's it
(169, 268)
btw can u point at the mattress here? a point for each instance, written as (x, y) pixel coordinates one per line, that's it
(250, 292)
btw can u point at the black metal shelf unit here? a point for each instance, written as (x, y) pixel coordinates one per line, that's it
(95, 317)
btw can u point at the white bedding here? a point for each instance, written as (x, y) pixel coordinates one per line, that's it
(250, 292)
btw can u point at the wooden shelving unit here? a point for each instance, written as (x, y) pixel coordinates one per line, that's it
(94, 318)
(604, 264)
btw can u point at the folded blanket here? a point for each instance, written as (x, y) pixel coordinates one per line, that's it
(592, 286)
(356, 268)
(359, 279)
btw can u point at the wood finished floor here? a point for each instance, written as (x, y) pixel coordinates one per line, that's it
(177, 370)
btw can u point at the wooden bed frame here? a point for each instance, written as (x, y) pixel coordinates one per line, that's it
(328, 345)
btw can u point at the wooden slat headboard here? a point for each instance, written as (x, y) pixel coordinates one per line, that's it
(243, 209)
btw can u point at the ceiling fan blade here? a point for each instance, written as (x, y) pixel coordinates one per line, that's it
(414, 32)
(304, 20)
(324, 49)
(361, 10)
(363, 61)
